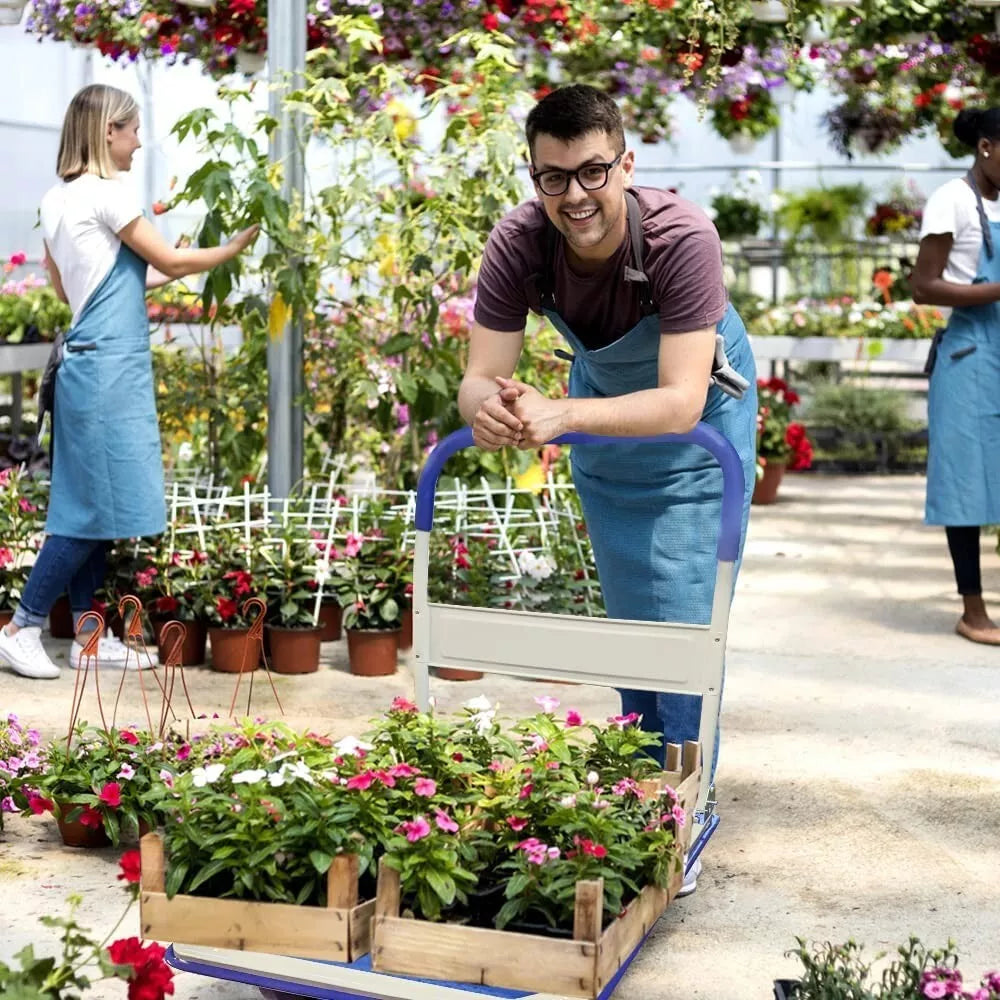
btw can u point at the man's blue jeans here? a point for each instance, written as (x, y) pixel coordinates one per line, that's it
(675, 717)
(73, 565)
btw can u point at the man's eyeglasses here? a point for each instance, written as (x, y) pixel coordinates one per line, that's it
(591, 177)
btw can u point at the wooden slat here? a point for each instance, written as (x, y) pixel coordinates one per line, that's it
(387, 893)
(691, 757)
(359, 930)
(673, 756)
(282, 928)
(342, 882)
(621, 938)
(151, 853)
(588, 911)
(487, 957)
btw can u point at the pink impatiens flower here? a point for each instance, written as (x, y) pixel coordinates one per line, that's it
(624, 720)
(111, 794)
(516, 823)
(548, 703)
(415, 829)
(573, 718)
(425, 787)
(400, 704)
(353, 545)
(361, 782)
(445, 822)
(403, 770)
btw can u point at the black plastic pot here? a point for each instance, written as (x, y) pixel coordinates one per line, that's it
(484, 905)
(785, 989)
(541, 929)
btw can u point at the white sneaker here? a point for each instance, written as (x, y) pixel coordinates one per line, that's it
(690, 882)
(113, 654)
(25, 653)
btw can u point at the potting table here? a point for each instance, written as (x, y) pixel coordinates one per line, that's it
(651, 656)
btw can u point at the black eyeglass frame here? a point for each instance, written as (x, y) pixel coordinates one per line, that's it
(571, 174)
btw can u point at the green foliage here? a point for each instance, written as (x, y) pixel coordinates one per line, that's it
(288, 574)
(858, 408)
(31, 312)
(736, 216)
(824, 214)
(22, 520)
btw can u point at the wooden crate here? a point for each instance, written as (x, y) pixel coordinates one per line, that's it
(339, 932)
(581, 967)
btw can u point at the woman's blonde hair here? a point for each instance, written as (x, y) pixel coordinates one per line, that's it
(83, 145)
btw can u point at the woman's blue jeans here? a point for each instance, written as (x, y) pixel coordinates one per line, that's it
(73, 565)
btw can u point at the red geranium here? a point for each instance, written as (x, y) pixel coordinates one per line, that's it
(131, 867)
(150, 977)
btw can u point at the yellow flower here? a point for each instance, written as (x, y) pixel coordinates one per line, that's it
(403, 123)
(533, 478)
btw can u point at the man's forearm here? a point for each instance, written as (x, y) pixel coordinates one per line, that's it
(666, 410)
(471, 393)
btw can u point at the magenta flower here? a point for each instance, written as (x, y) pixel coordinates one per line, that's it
(353, 545)
(403, 770)
(624, 720)
(935, 989)
(538, 744)
(400, 704)
(525, 792)
(111, 794)
(184, 752)
(361, 782)
(680, 818)
(573, 718)
(415, 829)
(516, 823)
(425, 787)
(445, 822)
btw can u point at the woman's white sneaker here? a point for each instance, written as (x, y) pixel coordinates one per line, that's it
(113, 654)
(25, 654)
(690, 879)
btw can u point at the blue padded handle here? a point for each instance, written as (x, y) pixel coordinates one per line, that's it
(707, 437)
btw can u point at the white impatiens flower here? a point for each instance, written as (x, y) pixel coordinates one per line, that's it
(250, 777)
(202, 776)
(276, 778)
(350, 747)
(593, 778)
(126, 772)
(479, 704)
(321, 571)
(298, 769)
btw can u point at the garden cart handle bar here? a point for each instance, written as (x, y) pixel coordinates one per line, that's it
(733, 483)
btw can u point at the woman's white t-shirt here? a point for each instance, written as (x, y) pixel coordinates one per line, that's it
(952, 209)
(81, 220)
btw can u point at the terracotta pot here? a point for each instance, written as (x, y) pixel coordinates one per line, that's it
(232, 651)
(193, 648)
(330, 615)
(61, 619)
(372, 652)
(454, 674)
(295, 650)
(75, 834)
(766, 489)
(406, 631)
(5, 618)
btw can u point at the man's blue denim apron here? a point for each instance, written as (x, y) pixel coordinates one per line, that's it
(107, 468)
(653, 511)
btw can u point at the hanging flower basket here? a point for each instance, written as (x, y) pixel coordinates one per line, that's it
(250, 63)
(11, 11)
(742, 143)
(769, 11)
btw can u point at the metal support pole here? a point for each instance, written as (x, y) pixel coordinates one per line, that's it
(286, 56)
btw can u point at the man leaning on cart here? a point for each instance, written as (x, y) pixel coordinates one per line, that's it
(632, 278)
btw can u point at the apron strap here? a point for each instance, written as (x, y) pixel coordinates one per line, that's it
(983, 221)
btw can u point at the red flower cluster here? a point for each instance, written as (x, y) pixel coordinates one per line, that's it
(802, 450)
(150, 977)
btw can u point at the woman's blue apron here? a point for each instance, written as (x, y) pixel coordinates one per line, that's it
(652, 512)
(963, 407)
(107, 467)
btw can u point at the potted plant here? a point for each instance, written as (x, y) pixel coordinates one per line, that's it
(21, 527)
(289, 578)
(330, 618)
(781, 442)
(745, 118)
(915, 972)
(370, 582)
(20, 761)
(735, 215)
(30, 311)
(228, 589)
(825, 214)
(101, 785)
(179, 595)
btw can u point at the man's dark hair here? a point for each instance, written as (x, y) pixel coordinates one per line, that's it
(575, 111)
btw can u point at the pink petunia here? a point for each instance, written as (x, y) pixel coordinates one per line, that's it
(445, 822)
(425, 787)
(415, 829)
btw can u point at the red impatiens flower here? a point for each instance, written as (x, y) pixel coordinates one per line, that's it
(111, 794)
(127, 736)
(38, 804)
(91, 817)
(131, 866)
(226, 608)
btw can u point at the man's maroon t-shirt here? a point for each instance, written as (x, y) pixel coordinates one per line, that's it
(683, 261)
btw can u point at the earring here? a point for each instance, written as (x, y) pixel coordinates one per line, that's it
(986, 155)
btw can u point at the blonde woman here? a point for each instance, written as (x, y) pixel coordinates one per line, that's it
(107, 471)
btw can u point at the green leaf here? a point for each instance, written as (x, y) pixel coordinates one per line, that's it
(442, 884)
(321, 861)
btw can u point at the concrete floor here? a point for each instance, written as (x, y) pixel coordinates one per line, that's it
(859, 781)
